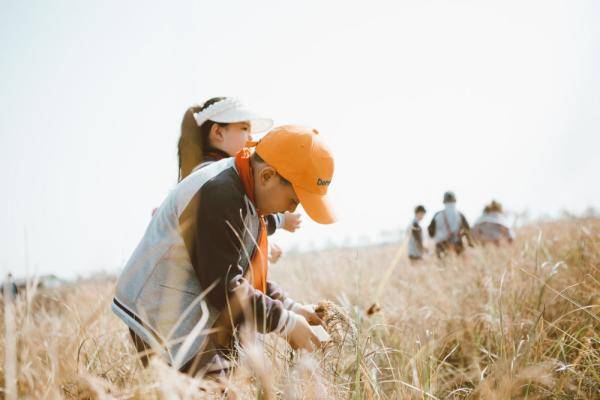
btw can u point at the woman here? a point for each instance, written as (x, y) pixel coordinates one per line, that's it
(492, 226)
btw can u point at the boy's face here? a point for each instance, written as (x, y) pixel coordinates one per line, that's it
(420, 215)
(271, 193)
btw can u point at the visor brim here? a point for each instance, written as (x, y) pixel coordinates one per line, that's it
(317, 206)
(257, 123)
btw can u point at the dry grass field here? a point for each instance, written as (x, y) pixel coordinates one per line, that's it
(519, 322)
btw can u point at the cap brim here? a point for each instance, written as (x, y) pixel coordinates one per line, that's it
(317, 206)
(257, 122)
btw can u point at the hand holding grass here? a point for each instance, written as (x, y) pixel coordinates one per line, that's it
(308, 312)
(301, 336)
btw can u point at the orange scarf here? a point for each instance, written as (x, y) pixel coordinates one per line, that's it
(259, 263)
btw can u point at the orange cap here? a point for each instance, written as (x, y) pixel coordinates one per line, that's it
(299, 155)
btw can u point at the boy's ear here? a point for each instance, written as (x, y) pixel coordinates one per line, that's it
(267, 174)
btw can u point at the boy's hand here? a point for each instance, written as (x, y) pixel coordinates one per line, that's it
(291, 221)
(308, 312)
(302, 337)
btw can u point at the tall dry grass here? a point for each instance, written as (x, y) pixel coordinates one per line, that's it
(500, 323)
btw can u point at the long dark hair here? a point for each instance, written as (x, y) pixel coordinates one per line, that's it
(194, 139)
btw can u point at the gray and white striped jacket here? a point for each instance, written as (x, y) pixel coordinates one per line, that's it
(193, 256)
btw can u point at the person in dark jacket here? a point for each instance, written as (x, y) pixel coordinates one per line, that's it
(415, 238)
(200, 272)
(449, 227)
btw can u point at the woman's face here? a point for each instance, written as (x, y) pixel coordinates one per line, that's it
(230, 138)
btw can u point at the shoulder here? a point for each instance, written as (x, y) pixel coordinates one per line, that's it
(203, 164)
(223, 191)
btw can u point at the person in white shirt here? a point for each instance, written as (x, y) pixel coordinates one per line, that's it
(492, 226)
(448, 228)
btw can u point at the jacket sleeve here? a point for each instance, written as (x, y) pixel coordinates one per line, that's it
(272, 223)
(466, 229)
(213, 230)
(464, 224)
(431, 227)
(417, 233)
(276, 292)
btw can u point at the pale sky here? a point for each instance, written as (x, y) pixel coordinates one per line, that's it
(492, 99)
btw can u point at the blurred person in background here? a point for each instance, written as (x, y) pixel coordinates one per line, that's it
(492, 226)
(449, 227)
(415, 236)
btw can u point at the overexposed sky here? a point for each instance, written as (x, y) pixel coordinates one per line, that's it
(492, 99)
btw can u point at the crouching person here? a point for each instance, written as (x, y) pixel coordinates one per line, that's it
(492, 226)
(200, 270)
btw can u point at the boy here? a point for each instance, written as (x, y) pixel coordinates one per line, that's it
(415, 239)
(448, 227)
(200, 270)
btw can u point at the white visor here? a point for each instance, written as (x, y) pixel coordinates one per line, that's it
(230, 111)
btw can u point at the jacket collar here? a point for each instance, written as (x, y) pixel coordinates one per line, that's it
(214, 154)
